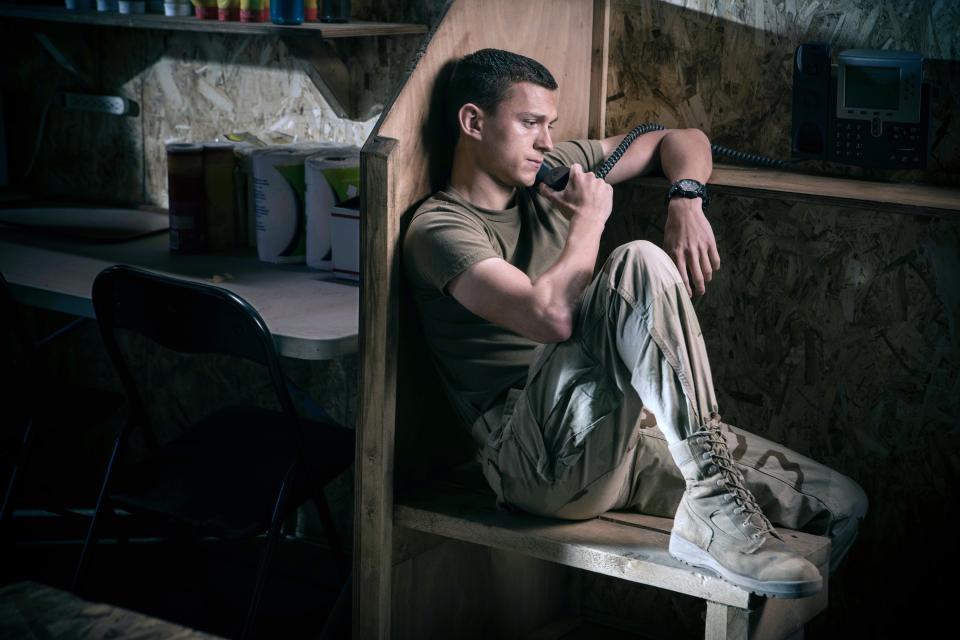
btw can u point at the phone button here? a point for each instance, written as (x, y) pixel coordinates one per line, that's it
(876, 127)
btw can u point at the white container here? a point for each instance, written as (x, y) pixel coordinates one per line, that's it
(177, 9)
(345, 230)
(107, 6)
(330, 179)
(243, 181)
(132, 6)
(278, 200)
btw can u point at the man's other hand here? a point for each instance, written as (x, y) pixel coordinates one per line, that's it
(585, 195)
(688, 239)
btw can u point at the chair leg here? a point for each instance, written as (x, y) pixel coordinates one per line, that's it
(330, 528)
(6, 511)
(98, 514)
(263, 572)
(334, 626)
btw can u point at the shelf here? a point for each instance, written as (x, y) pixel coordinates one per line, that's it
(824, 190)
(353, 29)
(320, 59)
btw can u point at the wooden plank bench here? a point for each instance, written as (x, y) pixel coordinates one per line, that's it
(620, 544)
(442, 561)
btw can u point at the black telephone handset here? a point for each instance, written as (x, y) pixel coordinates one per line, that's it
(554, 177)
(557, 177)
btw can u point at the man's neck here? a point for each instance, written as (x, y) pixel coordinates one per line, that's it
(478, 187)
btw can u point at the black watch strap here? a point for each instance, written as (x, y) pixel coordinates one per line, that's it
(689, 188)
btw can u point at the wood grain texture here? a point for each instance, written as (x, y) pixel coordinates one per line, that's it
(624, 545)
(726, 623)
(406, 426)
(467, 591)
(374, 458)
(942, 202)
(598, 71)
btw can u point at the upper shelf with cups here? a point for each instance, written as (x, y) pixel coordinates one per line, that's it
(352, 29)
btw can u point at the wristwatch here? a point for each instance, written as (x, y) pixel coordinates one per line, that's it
(688, 188)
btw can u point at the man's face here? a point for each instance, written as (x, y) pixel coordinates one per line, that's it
(517, 134)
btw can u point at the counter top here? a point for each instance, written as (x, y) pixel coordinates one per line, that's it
(311, 316)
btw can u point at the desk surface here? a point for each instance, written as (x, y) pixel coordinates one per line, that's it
(311, 317)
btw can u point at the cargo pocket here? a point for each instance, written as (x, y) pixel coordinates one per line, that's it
(584, 394)
(593, 397)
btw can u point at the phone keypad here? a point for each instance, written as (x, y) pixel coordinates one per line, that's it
(848, 144)
(899, 145)
(906, 143)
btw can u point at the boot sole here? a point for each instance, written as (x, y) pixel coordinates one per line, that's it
(690, 554)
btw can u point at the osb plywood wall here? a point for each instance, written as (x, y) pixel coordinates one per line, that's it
(191, 87)
(835, 331)
(726, 66)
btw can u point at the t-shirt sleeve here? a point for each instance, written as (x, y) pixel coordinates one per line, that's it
(440, 245)
(587, 153)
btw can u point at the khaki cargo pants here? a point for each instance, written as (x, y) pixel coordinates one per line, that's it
(581, 438)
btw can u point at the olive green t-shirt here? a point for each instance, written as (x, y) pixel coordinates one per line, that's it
(478, 360)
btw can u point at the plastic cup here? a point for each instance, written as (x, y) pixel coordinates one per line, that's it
(132, 6)
(177, 8)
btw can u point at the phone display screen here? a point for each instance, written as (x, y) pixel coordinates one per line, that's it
(872, 88)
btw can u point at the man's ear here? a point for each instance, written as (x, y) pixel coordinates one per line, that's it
(470, 119)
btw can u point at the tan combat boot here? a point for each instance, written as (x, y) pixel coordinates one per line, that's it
(720, 527)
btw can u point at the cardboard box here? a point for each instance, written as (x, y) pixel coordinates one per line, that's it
(345, 238)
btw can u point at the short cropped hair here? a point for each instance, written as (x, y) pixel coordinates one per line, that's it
(484, 77)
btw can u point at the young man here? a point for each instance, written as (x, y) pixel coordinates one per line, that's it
(551, 367)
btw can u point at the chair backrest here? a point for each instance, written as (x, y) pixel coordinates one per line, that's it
(404, 421)
(187, 317)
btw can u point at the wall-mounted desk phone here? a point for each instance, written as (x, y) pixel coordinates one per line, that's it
(872, 109)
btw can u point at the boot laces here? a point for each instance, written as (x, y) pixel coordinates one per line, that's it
(733, 481)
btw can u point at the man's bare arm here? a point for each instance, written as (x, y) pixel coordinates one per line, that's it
(543, 309)
(688, 236)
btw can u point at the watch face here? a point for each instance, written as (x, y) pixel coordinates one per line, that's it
(688, 185)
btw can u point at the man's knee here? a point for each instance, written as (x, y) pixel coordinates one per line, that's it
(853, 498)
(642, 258)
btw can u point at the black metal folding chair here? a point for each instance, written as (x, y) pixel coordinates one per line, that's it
(234, 473)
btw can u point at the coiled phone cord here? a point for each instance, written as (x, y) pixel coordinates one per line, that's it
(557, 177)
(628, 139)
(639, 130)
(746, 158)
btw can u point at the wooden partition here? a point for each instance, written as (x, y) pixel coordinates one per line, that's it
(406, 429)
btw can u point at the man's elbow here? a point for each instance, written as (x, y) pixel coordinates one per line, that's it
(554, 327)
(698, 135)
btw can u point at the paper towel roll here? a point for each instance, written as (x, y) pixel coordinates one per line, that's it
(278, 198)
(331, 178)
